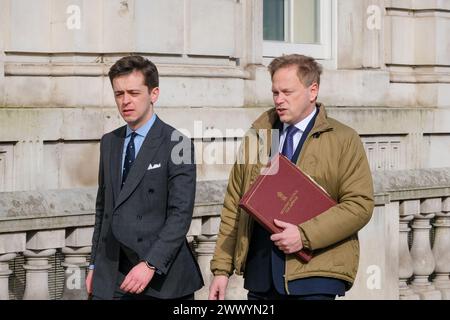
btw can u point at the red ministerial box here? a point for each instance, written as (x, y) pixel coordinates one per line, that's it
(284, 192)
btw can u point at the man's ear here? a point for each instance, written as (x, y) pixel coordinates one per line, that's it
(154, 94)
(313, 91)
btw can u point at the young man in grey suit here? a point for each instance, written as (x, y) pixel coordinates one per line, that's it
(145, 198)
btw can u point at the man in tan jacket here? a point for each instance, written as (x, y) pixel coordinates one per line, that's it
(333, 155)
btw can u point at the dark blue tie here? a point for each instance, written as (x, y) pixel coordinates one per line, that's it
(278, 256)
(129, 158)
(288, 146)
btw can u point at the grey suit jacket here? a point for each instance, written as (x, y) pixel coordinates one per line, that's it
(150, 215)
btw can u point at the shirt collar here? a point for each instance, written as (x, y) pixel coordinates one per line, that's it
(304, 123)
(143, 131)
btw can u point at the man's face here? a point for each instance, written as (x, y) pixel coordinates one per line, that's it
(293, 101)
(133, 99)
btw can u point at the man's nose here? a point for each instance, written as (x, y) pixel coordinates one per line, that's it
(126, 99)
(279, 99)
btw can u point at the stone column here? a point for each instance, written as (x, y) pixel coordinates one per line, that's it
(78, 246)
(4, 275)
(423, 259)
(41, 245)
(205, 245)
(75, 264)
(195, 229)
(407, 211)
(10, 243)
(441, 250)
(37, 266)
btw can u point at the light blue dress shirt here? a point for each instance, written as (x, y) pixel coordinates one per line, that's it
(139, 139)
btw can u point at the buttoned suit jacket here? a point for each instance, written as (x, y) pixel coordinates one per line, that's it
(150, 215)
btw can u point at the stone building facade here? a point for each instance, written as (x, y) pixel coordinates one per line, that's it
(387, 74)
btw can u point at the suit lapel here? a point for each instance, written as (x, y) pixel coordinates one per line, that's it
(145, 156)
(116, 160)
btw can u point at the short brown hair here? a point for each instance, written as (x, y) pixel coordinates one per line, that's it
(308, 70)
(129, 64)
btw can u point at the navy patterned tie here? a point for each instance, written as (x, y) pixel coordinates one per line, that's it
(129, 158)
(288, 146)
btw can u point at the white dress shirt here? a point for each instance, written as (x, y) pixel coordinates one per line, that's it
(298, 135)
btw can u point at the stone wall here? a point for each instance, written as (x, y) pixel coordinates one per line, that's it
(387, 76)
